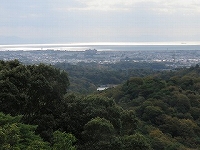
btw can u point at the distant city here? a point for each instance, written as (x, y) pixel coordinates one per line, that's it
(171, 58)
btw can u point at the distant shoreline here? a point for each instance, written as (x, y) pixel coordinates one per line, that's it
(105, 46)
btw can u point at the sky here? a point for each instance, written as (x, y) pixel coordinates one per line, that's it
(82, 21)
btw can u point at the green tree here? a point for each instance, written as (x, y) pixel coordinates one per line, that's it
(63, 141)
(16, 135)
(151, 113)
(129, 122)
(182, 103)
(136, 141)
(80, 110)
(163, 141)
(98, 134)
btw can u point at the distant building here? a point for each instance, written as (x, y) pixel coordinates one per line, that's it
(90, 52)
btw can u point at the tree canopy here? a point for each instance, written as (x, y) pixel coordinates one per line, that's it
(158, 111)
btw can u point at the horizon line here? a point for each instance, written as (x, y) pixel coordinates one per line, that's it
(83, 46)
(105, 43)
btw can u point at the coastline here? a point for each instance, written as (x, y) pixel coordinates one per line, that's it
(104, 46)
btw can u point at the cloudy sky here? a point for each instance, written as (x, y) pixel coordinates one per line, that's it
(66, 21)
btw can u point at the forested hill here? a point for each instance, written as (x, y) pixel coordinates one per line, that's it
(167, 106)
(159, 111)
(87, 77)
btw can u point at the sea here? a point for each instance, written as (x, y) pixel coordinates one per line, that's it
(125, 46)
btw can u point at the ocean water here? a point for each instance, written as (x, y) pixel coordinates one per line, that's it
(145, 47)
(103, 47)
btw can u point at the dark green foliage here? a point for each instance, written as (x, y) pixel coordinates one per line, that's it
(16, 135)
(129, 122)
(159, 140)
(168, 103)
(98, 134)
(151, 113)
(63, 141)
(136, 142)
(86, 77)
(82, 110)
(36, 92)
(29, 89)
(160, 111)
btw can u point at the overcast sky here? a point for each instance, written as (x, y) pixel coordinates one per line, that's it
(66, 21)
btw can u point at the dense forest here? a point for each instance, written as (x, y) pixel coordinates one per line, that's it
(148, 110)
(87, 77)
